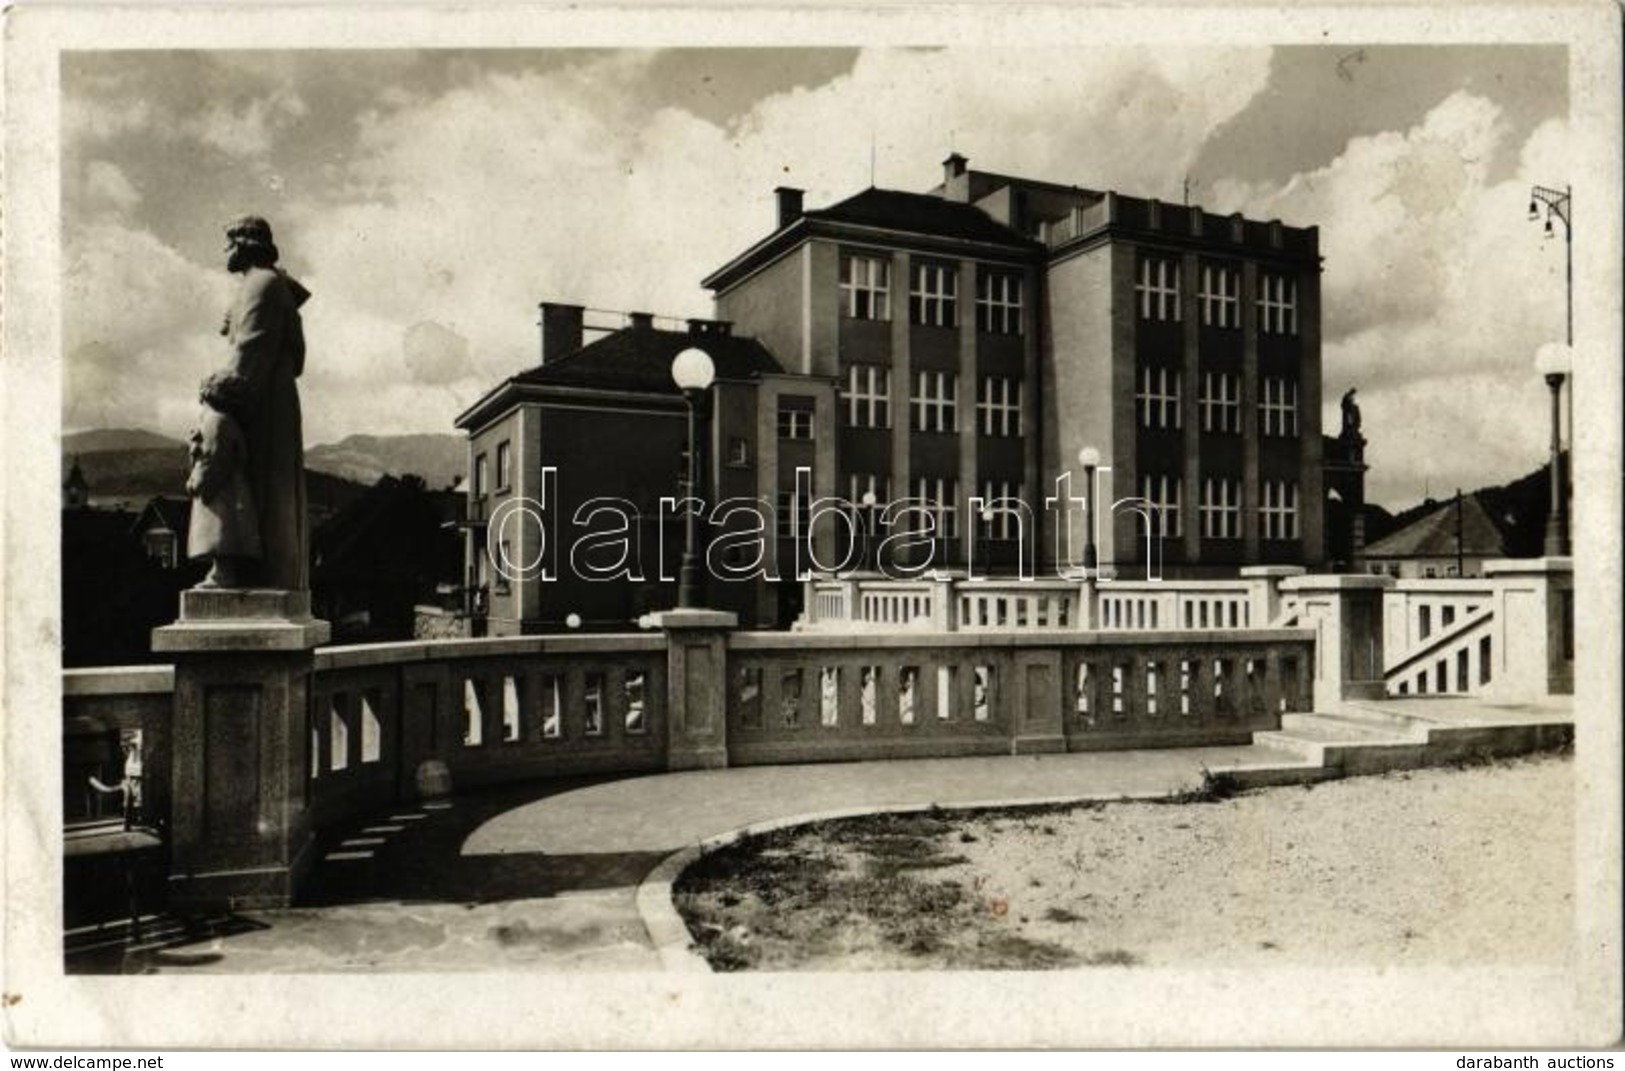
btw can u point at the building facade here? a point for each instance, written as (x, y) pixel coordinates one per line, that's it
(936, 362)
(987, 331)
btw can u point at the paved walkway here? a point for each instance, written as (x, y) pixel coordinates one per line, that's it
(544, 877)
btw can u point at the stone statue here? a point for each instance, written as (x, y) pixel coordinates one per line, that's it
(267, 342)
(225, 526)
(1351, 417)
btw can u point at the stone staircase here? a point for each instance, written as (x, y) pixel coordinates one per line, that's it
(1378, 736)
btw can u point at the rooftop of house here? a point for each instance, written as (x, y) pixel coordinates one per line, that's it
(919, 213)
(638, 359)
(1433, 535)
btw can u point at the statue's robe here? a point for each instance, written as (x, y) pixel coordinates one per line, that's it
(267, 341)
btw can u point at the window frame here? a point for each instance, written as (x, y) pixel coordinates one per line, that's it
(1000, 301)
(1220, 304)
(1156, 288)
(998, 414)
(865, 286)
(943, 402)
(941, 300)
(1158, 395)
(873, 402)
(1221, 514)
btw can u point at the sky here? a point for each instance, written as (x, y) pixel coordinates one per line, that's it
(431, 198)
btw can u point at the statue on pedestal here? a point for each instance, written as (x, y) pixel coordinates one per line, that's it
(267, 340)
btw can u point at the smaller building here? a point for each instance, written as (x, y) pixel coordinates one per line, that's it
(569, 462)
(1454, 539)
(162, 528)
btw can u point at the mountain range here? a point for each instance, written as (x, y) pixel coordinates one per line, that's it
(135, 463)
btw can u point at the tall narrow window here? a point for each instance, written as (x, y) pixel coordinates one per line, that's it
(1158, 398)
(1220, 403)
(1220, 296)
(793, 511)
(1162, 491)
(1277, 304)
(933, 295)
(866, 287)
(998, 302)
(1278, 407)
(1279, 509)
(868, 396)
(482, 477)
(1221, 508)
(998, 406)
(1157, 288)
(940, 497)
(935, 401)
(998, 498)
(504, 466)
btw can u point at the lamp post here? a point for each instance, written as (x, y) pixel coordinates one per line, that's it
(1558, 205)
(1089, 458)
(1552, 361)
(693, 372)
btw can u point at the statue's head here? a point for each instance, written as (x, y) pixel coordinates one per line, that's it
(249, 245)
(225, 392)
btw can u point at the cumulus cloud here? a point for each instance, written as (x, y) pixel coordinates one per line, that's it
(1437, 291)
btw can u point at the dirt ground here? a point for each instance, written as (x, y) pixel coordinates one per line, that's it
(1448, 867)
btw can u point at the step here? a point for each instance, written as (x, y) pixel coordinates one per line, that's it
(1353, 727)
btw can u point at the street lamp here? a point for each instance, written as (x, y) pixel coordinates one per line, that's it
(1089, 458)
(1558, 205)
(693, 372)
(1552, 361)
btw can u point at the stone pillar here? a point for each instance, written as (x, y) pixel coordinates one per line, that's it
(1088, 605)
(1534, 606)
(1346, 614)
(240, 832)
(944, 599)
(1036, 723)
(697, 687)
(1264, 590)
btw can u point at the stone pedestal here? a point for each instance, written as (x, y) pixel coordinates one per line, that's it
(1346, 614)
(697, 687)
(1534, 600)
(240, 834)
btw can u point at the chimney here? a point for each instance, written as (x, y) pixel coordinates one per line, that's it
(955, 179)
(641, 321)
(561, 330)
(789, 205)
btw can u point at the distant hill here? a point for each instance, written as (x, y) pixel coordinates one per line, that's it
(135, 475)
(438, 458)
(103, 439)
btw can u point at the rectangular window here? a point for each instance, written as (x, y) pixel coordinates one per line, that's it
(792, 514)
(868, 396)
(1162, 491)
(940, 497)
(795, 422)
(1277, 304)
(866, 287)
(1158, 398)
(504, 466)
(1221, 508)
(1278, 408)
(1000, 498)
(1220, 296)
(1279, 510)
(1220, 403)
(998, 302)
(1157, 289)
(868, 494)
(933, 295)
(935, 404)
(998, 406)
(505, 553)
(482, 477)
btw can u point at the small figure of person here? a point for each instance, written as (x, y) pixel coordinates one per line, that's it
(130, 786)
(225, 525)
